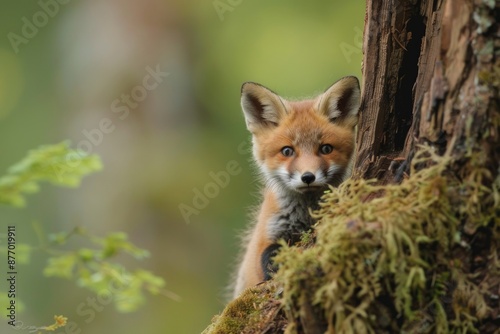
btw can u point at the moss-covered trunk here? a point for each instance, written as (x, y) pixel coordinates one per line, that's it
(411, 244)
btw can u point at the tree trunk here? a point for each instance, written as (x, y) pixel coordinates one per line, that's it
(431, 74)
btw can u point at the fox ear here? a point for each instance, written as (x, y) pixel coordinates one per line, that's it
(262, 107)
(340, 102)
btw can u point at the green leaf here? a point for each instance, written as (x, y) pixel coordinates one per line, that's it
(152, 283)
(58, 238)
(87, 255)
(57, 164)
(61, 266)
(116, 242)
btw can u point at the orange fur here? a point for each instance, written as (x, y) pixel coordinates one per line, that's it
(319, 133)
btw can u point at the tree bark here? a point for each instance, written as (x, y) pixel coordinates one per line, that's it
(432, 76)
(431, 67)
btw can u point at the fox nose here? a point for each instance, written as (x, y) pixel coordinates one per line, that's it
(308, 177)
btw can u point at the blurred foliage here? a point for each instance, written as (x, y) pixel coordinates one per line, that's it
(93, 269)
(57, 164)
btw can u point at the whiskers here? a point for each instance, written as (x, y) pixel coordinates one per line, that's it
(335, 175)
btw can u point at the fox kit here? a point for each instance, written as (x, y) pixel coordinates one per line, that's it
(300, 148)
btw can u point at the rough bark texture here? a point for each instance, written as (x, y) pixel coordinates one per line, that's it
(392, 44)
(429, 66)
(431, 75)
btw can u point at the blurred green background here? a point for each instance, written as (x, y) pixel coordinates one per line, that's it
(61, 80)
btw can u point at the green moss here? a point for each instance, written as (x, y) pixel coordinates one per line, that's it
(388, 249)
(249, 313)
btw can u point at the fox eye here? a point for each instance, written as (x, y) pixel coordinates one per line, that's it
(287, 151)
(326, 149)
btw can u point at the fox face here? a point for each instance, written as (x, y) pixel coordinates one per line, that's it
(302, 146)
